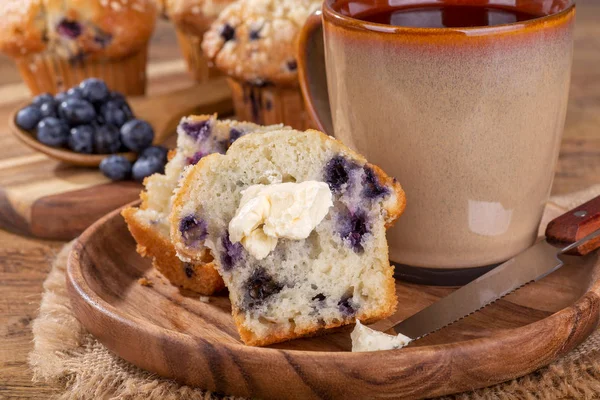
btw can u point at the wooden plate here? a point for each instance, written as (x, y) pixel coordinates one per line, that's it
(162, 112)
(174, 334)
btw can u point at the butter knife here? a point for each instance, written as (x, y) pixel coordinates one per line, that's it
(576, 232)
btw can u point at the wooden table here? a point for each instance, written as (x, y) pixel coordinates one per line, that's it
(24, 262)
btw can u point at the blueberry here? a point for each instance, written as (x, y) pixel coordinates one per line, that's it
(337, 172)
(193, 230)
(27, 118)
(372, 187)
(81, 139)
(46, 103)
(48, 109)
(114, 95)
(353, 228)
(227, 32)
(99, 120)
(113, 113)
(77, 111)
(116, 168)
(94, 90)
(347, 306)
(120, 100)
(102, 39)
(260, 286)
(292, 65)
(198, 130)
(106, 139)
(137, 135)
(319, 297)
(41, 99)
(255, 34)
(155, 152)
(189, 270)
(74, 92)
(232, 253)
(53, 132)
(193, 160)
(144, 167)
(234, 134)
(60, 97)
(69, 29)
(127, 110)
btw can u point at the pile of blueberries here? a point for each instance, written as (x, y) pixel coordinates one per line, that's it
(90, 119)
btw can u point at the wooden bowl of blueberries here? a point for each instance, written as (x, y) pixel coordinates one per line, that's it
(91, 126)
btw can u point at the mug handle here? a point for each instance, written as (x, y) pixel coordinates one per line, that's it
(312, 73)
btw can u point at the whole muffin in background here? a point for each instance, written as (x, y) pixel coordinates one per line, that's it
(254, 43)
(58, 43)
(192, 18)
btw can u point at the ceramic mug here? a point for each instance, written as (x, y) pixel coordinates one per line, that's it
(469, 120)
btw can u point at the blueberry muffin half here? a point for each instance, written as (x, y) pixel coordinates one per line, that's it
(254, 43)
(296, 223)
(58, 43)
(197, 137)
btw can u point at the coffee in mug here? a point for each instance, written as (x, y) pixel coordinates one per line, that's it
(445, 16)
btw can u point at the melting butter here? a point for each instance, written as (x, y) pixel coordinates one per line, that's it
(288, 210)
(367, 339)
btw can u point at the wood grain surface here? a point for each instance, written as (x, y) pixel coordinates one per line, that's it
(24, 262)
(171, 332)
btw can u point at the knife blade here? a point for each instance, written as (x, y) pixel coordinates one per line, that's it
(531, 265)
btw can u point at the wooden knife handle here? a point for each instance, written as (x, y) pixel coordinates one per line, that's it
(575, 225)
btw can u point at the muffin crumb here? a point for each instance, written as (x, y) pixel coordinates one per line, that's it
(145, 282)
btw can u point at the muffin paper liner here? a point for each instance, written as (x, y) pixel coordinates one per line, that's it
(52, 73)
(197, 63)
(269, 104)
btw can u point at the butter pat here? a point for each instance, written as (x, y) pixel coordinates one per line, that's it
(288, 210)
(367, 339)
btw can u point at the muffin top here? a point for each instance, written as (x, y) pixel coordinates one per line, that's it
(76, 29)
(255, 40)
(194, 16)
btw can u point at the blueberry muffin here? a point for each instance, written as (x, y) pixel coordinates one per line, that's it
(192, 18)
(58, 43)
(296, 223)
(254, 43)
(197, 137)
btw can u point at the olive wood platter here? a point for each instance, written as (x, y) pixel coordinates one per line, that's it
(177, 335)
(51, 198)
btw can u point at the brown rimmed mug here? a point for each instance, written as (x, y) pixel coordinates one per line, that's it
(469, 120)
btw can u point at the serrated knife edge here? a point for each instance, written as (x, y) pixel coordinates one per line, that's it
(531, 265)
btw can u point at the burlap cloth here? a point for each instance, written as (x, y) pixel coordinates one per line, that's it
(64, 354)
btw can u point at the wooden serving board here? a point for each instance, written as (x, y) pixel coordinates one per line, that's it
(172, 333)
(44, 198)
